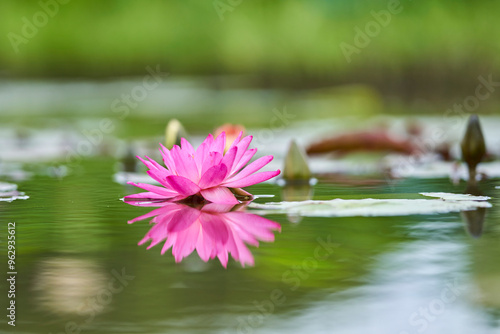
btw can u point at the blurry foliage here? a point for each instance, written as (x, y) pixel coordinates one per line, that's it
(275, 40)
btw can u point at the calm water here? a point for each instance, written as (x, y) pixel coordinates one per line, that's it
(80, 268)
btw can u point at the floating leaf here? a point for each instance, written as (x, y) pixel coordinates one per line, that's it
(457, 197)
(9, 193)
(362, 141)
(369, 207)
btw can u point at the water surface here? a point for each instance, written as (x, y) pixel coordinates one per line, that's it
(80, 268)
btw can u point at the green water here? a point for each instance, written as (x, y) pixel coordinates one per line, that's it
(372, 274)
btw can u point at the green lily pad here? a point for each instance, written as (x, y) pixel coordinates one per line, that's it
(370, 207)
(457, 197)
(9, 193)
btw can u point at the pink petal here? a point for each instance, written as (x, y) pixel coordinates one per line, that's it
(185, 164)
(187, 147)
(166, 193)
(148, 164)
(204, 247)
(158, 177)
(236, 141)
(219, 143)
(144, 196)
(223, 257)
(220, 195)
(252, 179)
(229, 159)
(200, 155)
(212, 159)
(183, 219)
(157, 166)
(163, 213)
(167, 159)
(238, 249)
(179, 198)
(245, 257)
(209, 140)
(214, 227)
(247, 156)
(252, 168)
(157, 172)
(171, 239)
(151, 213)
(186, 241)
(217, 208)
(251, 227)
(242, 149)
(213, 176)
(183, 186)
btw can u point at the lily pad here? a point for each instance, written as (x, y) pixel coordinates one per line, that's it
(370, 207)
(9, 193)
(457, 197)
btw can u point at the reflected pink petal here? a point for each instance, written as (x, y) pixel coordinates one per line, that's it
(212, 230)
(183, 219)
(214, 227)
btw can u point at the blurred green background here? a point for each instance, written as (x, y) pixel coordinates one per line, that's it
(430, 49)
(63, 64)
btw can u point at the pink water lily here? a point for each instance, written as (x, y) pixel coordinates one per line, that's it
(213, 230)
(206, 171)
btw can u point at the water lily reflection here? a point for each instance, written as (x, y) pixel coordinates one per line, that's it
(214, 230)
(474, 219)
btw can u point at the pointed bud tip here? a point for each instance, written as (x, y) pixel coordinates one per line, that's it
(473, 145)
(296, 166)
